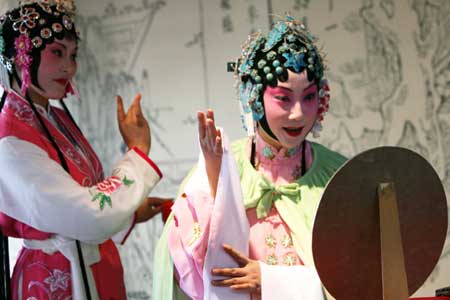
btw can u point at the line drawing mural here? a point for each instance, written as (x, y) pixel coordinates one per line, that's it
(201, 42)
(389, 71)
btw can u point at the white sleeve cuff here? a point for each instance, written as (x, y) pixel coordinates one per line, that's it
(290, 283)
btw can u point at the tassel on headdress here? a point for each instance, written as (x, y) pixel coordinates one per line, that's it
(5, 64)
(5, 69)
(71, 89)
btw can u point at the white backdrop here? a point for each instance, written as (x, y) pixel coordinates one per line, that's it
(388, 61)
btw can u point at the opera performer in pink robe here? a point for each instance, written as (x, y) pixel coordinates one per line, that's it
(242, 225)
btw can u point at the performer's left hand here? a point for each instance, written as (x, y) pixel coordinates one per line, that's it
(246, 278)
(150, 207)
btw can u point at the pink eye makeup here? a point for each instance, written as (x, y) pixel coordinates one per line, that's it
(279, 93)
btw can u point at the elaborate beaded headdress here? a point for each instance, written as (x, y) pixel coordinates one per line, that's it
(29, 28)
(265, 59)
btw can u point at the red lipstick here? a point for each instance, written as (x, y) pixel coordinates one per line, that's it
(293, 131)
(62, 81)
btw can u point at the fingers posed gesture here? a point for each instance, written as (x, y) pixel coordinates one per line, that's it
(133, 126)
(211, 144)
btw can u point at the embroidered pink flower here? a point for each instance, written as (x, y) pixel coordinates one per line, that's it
(23, 59)
(107, 187)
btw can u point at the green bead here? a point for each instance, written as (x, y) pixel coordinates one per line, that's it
(276, 63)
(279, 70)
(271, 55)
(269, 77)
(258, 79)
(282, 48)
(293, 47)
(259, 86)
(261, 63)
(266, 69)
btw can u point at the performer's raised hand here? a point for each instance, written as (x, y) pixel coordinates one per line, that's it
(211, 144)
(133, 126)
(246, 278)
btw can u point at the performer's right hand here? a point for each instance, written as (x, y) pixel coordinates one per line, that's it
(211, 143)
(133, 126)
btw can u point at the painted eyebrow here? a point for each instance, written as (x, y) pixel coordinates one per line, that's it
(284, 88)
(64, 46)
(312, 83)
(288, 89)
(61, 44)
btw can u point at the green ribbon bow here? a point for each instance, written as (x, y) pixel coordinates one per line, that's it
(267, 193)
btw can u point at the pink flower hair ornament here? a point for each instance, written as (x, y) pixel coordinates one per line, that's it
(23, 60)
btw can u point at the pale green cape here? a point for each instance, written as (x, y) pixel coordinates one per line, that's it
(297, 204)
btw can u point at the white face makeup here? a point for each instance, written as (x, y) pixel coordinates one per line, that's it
(291, 108)
(57, 67)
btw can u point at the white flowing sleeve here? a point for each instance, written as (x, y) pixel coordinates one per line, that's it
(121, 236)
(37, 191)
(290, 283)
